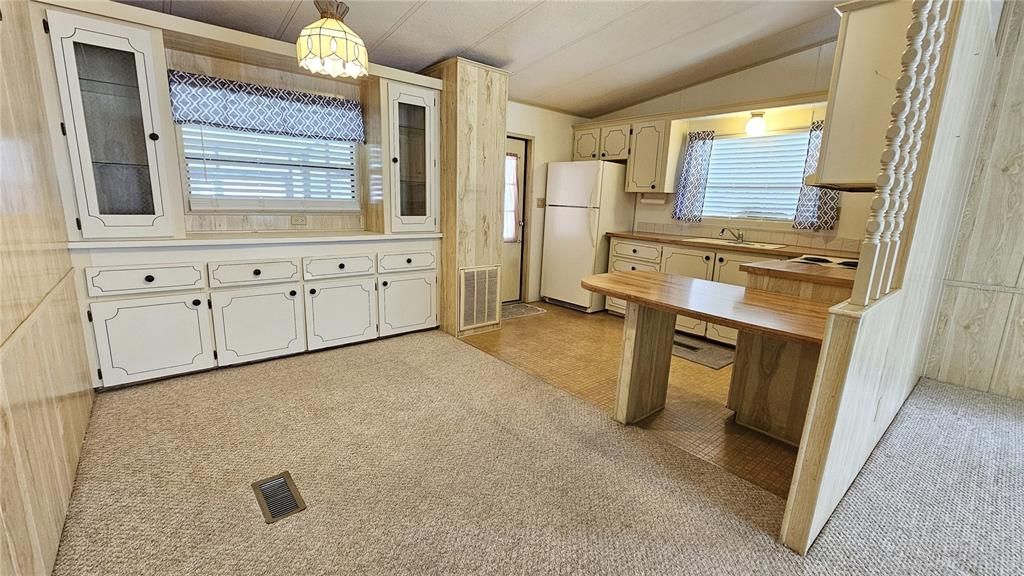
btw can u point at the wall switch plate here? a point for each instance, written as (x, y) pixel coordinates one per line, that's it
(541, 202)
(299, 220)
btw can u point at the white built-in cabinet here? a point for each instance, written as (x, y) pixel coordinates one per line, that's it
(645, 171)
(146, 338)
(256, 323)
(630, 255)
(112, 80)
(341, 311)
(694, 263)
(407, 302)
(586, 144)
(413, 125)
(606, 143)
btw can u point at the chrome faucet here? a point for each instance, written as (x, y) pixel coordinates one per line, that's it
(736, 234)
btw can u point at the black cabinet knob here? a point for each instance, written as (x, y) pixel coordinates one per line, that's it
(707, 258)
(632, 267)
(408, 260)
(312, 290)
(394, 160)
(292, 292)
(721, 260)
(149, 278)
(653, 186)
(603, 154)
(634, 250)
(197, 302)
(154, 136)
(341, 266)
(257, 272)
(384, 283)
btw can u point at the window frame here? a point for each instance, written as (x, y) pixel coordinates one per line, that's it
(205, 205)
(755, 222)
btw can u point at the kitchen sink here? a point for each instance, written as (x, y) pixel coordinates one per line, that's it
(729, 242)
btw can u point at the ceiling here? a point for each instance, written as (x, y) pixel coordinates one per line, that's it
(583, 57)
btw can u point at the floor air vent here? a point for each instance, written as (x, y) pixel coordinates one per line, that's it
(278, 497)
(479, 293)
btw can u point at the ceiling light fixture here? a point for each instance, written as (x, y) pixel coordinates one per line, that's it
(329, 47)
(756, 125)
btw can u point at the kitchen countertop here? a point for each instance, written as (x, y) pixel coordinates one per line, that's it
(813, 273)
(251, 238)
(696, 242)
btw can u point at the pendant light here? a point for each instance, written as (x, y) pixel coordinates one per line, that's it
(756, 125)
(329, 47)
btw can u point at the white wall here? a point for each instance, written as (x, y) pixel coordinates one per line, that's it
(800, 73)
(552, 142)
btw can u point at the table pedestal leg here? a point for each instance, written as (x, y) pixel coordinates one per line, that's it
(646, 358)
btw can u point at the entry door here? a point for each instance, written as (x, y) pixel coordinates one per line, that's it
(513, 221)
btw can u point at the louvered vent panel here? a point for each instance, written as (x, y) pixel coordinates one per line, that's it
(480, 299)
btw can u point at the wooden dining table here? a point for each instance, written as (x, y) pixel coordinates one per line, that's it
(776, 351)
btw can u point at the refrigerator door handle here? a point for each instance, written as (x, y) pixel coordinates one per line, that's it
(592, 226)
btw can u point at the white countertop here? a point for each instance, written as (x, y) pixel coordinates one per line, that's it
(251, 238)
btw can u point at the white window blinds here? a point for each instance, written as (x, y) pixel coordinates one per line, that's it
(246, 170)
(756, 177)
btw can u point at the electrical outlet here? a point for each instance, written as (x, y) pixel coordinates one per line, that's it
(299, 220)
(541, 202)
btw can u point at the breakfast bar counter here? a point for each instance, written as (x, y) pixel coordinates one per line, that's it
(776, 353)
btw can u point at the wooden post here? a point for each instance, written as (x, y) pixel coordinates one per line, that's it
(646, 358)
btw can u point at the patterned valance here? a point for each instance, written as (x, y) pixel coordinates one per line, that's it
(817, 208)
(210, 101)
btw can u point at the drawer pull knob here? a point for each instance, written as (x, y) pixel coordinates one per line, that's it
(197, 302)
(311, 291)
(634, 250)
(408, 260)
(341, 266)
(632, 267)
(394, 160)
(154, 136)
(384, 284)
(149, 278)
(653, 186)
(721, 260)
(257, 272)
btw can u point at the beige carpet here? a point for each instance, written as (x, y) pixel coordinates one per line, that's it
(422, 455)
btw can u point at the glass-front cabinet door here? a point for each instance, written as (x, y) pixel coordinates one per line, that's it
(413, 143)
(107, 79)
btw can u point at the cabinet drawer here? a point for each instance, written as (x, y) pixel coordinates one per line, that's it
(615, 305)
(401, 261)
(111, 280)
(636, 250)
(621, 265)
(253, 272)
(314, 268)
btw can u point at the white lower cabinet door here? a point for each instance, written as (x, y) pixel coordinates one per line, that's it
(341, 312)
(407, 302)
(146, 338)
(727, 270)
(694, 264)
(256, 323)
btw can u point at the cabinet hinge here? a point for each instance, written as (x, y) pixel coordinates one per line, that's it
(214, 354)
(209, 304)
(629, 151)
(99, 372)
(78, 223)
(88, 314)
(63, 129)
(46, 26)
(631, 131)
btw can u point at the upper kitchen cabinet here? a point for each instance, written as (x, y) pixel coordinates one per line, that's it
(403, 130)
(653, 156)
(872, 37)
(606, 143)
(112, 80)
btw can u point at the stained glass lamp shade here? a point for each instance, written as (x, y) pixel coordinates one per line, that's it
(329, 47)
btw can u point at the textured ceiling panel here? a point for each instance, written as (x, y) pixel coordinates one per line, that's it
(587, 57)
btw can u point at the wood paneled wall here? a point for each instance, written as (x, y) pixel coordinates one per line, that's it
(979, 336)
(45, 393)
(873, 356)
(473, 112)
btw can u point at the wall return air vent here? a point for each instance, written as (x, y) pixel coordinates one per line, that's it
(479, 300)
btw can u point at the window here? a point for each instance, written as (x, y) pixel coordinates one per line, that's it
(756, 177)
(235, 169)
(510, 212)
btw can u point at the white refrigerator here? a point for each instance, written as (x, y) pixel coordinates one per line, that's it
(585, 200)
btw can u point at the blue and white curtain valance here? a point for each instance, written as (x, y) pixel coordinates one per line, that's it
(693, 178)
(210, 101)
(817, 208)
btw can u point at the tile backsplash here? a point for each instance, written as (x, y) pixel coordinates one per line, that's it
(812, 240)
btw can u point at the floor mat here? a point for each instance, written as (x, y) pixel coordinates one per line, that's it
(703, 352)
(518, 310)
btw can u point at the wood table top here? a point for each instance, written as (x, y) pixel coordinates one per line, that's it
(742, 308)
(803, 272)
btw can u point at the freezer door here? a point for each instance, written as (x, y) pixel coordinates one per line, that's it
(574, 184)
(570, 243)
